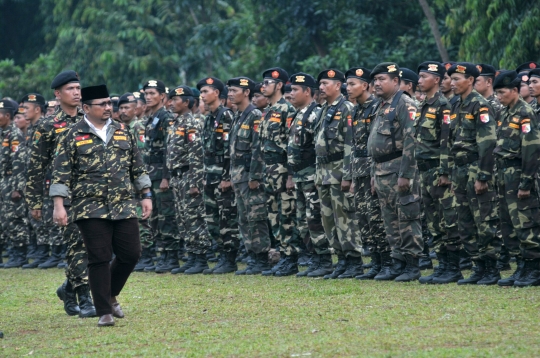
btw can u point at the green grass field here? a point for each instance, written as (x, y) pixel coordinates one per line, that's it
(254, 316)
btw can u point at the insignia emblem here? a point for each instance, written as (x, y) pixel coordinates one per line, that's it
(359, 72)
(479, 68)
(400, 73)
(21, 110)
(526, 127)
(209, 81)
(216, 124)
(532, 65)
(525, 78)
(300, 79)
(1, 104)
(141, 138)
(179, 91)
(131, 98)
(433, 67)
(331, 74)
(52, 103)
(244, 82)
(461, 69)
(392, 68)
(446, 119)
(275, 74)
(152, 83)
(115, 98)
(447, 66)
(412, 115)
(497, 73)
(31, 97)
(137, 94)
(484, 117)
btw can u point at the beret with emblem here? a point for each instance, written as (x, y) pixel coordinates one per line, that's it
(331, 74)
(447, 65)
(52, 103)
(241, 82)
(361, 73)
(63, 78)
(127, 98)
(303, 79)
(433, 67)
(486, 70)
(139, 96)
(507, 79)
(408, 75)
(212, 82)
(181, 91)
(527, 66)
(157, 84)
(34, 98)
(114, 99)
(21, 110)
(8, 105)
(257, 88)
(276, 73)
(94, 92)
(385, 67)
(465, 68)
(524, 76)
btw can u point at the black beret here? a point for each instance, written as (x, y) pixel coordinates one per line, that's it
(127, 98)
(276, 73)
(447, 65)
(527, 66)
(303, 79)
(34, 98)
(287, 88)
(344, 89)
(52, 103)
(507, 79)
(486, 70)
(8, 104)
(385, 67)
(64, 77)
(223, 94)
(212, 82)
(408, 75)
(433, 67)
(21, 110)
(331, 74)
(157, 84)
(196, 92)
(94, 92)
(181, 91)
(139, 96)
(242, 82)
(360, 73)
(465, 68)
(257, 88)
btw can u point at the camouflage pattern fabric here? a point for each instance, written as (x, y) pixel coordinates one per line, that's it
(76, 254)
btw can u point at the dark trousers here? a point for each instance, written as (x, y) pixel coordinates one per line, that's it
(103, 237)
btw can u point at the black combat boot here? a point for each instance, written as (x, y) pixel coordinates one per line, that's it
(441, 257)
(85, 302)
(17, 259)
(289, 268)
(242, 255)
(530, 275)
(451, 272)
(251, 262)
(170, 263)
(189, 264)
(509, 281)
(261, 264)
(54, 259)
(159, 260)
(220, 262)
(411, 271)
(199, 266)
(211, 256)
(374, 269)
(340, 268)
(312, 265)
(272, 270)
(386, 274)
(324, 266)
(478, 272)
(304, 258)
(503, 262)
(425, 262)
(66, 294)
(465, 262)
(31, 251)
(492, 275)
(41, 255)
(229, 263)
(144, 261)
(353, 267)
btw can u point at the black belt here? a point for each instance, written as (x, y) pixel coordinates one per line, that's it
(153, 159)
(241, 161)
(510, 163)
(387, 157)
(360, 153)
(305, 164)
(425, 165)
(274, 158)
(330, 158)
(181, 170)
(470, 158)
(213, 160)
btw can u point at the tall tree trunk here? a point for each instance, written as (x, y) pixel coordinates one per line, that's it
(434, 29)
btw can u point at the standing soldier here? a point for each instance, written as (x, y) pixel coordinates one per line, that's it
(391, 143)
(517, 151)
(484, 85)
(333, 176)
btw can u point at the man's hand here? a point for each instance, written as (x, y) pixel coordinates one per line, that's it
(60, 215)
(36, 214)
(523, 194)
(225, 186)
(480, 187)
(253, 184)
(290, 184)
(194, 192)
(403, 184)
(351, 190)
(146, 205)
(345, 185)
(15, 196)
(373, 191)
(164, 185)
(444, 181)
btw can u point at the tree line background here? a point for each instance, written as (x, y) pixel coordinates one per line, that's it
(124, 42)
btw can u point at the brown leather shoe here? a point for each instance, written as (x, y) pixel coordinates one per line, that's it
(117, 310)
(106, 320)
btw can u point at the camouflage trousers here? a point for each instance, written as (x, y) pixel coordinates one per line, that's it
(145, 230)
(368, 216)
(477, 215)
(190, 217)
(440, 212)
(401, 215)
(308, 217)
(221, 216)
(163, 219)
(520, 218)
(252, 217)
(49, 233)
(338, 219)
(76, 255)
(15, 221)
(282, 212)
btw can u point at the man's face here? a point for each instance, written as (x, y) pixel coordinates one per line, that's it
(270, 86)
(384, 84)
(177, 105)
(299, 96)
(236, 95)
(506, 95)
(69, 94)
(481, 85)
(427, 81)
(153, 97)
(31, 111)
(99, 109)
(534, 87)
(259, 100)
(127, 111)
(446, 84)
(287, 96)
(460, 84)
(139, 110)
(355, 87)
(329, 88)
(20, 121)
(209, 95)
(5, 118)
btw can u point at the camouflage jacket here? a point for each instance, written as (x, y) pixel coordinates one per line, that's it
(137, 128)
(363, 116)
(20, 160)
(518, 137)
(433, 113)
(184, 149)
(216, 145)
(536, 108)
(380, 143)
(333, 142)
(472, 134)
(155, 144)
(494, 101)
(44, 140)
(100, 175)
(246, 159)
(301, 149)
(12, 138)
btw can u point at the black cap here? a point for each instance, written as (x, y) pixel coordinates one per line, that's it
(361, 73)
(196, 92)
(63, 78)
(94, 92)
(127, 98)
(385, 67)
(303, 79)
(532, 73)
(288, 88)
(408, 75)
(21, 110)
(34, 98)
(465, 68)
(507, 79)
(331, 74)
(486, 70)
(212, 82)
(447, 65)
(276, 73)
(181, 91)
(223, 94)
(157, 84)
(52, 103)
(433, 67)
(527, 66)
(257, 88)
(241, 82)
(8, 105)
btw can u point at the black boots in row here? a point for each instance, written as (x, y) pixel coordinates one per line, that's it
(18, 257)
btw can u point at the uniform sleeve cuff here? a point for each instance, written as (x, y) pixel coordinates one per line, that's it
(59, 190)
(141, 182)
(483, 177)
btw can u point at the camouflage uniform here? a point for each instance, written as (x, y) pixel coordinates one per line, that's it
(301, 160)
(518, 145)
(494, 101)
(221, 216)
(368, 210)
(274, 134)
(333, 147)
(247, 165)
